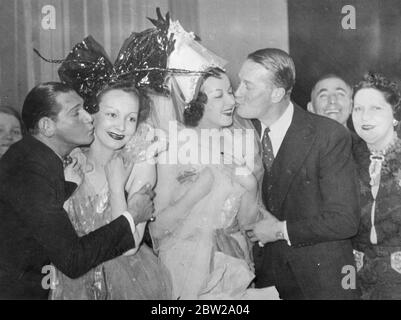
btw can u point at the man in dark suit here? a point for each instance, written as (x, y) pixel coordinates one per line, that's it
(309, 187)
(35, 230)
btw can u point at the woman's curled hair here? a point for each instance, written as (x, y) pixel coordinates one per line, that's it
(195, 109)
(388, 88)
(128, 87)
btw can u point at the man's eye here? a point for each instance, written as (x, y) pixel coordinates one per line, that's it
(377, 108)
(16, 133)
(111, 114)
(132, 119)
(357, 109)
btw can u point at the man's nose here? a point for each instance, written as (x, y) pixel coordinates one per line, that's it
(86, 117)
(238, 92)
(230, 99)
(332, 98)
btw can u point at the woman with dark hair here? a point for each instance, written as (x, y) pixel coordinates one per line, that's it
(114, 167)
(11, 128)
(376, 114)
(203, 246)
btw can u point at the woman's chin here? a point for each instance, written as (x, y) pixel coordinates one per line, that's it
(370, 139)
(226, 122)
(114, 145)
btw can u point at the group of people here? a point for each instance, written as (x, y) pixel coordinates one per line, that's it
(79, 194)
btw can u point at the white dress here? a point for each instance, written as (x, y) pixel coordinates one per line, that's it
(206, 259)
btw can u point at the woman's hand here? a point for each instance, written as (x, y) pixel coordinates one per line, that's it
(117, 173)
(247, 181)
(244, 176)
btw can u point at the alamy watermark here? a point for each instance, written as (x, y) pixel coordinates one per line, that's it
(203, 146)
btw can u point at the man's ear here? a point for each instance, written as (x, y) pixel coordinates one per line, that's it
(47, 127)
(277, 95)
(310, 107)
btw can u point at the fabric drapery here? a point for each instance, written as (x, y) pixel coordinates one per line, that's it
(26, 25)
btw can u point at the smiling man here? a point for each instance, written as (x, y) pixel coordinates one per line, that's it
(331, 97)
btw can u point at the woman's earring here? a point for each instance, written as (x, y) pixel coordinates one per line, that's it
(395, 122)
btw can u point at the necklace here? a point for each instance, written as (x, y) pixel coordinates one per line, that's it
(384, 151)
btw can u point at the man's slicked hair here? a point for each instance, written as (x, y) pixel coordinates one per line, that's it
(331, 76)
(41, 102)
(279, 63)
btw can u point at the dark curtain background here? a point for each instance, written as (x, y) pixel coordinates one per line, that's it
(230, 28)
(108, 21)
(320, 45)
(310, 29)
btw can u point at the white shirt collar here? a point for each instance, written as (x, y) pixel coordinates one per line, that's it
(279, 128)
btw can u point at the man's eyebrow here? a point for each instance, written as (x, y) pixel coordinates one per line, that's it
(78, 106)
(321, 90)
(341, 89)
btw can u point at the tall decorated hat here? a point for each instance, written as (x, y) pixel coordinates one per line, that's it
(164, 59)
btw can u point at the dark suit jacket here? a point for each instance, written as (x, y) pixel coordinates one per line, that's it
(313, 186)
(36, 231)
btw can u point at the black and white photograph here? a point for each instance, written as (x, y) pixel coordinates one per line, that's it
(213, 151)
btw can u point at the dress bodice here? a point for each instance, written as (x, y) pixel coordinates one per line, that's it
(89, 207)
(388, 204)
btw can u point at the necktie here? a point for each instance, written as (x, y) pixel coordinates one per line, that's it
(267, 150)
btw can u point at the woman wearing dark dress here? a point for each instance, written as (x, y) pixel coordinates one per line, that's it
(377, 246)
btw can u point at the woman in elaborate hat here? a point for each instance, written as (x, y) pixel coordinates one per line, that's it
(203, 246)
(115, 165)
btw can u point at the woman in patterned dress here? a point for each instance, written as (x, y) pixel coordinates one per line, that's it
(377, 246)
(107, 181)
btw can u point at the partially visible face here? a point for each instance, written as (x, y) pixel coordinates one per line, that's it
(10, 131)
(74, 126)
(220, 103)
(254, 91)
(373, 117)
(332, 98)
(117, 118)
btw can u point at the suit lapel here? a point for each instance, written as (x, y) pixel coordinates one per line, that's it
(293, 151)
(258, 127)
